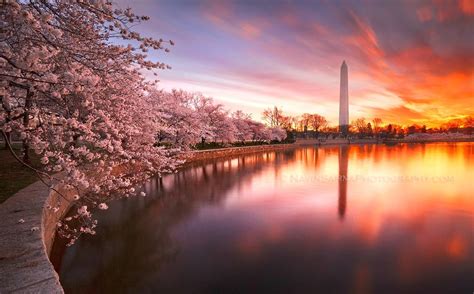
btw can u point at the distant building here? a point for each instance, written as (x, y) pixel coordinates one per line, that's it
(344, 101)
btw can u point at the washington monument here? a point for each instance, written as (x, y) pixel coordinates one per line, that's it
(344, 101)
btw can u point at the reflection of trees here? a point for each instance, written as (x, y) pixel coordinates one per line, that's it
(136, 237)
(342, 181)
(133, 239)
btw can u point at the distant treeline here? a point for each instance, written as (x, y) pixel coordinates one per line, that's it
(310, 125)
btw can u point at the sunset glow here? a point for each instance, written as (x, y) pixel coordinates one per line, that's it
(409, 62)
(236, 146)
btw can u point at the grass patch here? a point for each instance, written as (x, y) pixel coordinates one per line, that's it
(13, 175)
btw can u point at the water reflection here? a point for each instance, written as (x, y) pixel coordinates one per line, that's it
(281, 222)
(342, 187)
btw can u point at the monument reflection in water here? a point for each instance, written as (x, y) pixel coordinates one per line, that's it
(346, 219)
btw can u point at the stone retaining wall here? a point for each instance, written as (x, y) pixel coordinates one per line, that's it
(203, 155)
(27, 232)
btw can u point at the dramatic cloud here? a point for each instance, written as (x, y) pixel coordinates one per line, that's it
(409, 61)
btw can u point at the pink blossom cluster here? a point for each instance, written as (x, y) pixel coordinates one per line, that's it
(191, 118)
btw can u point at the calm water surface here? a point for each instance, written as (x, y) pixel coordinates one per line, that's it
(358, 219)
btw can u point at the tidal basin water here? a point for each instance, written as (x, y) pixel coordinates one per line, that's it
(350, 219)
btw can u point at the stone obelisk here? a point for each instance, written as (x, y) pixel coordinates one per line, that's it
(344, 101)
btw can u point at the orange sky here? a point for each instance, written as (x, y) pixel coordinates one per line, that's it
(409, 61)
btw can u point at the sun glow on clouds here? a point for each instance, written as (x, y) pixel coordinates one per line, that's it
(409, 62)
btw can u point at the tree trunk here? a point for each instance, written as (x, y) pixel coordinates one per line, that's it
(26, 125)
(7, 137)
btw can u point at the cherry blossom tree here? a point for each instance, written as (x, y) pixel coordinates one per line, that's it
(214, 122)
(181, 121)
(277, 134)
(260, 132)
(79, 100)
(190, 118)
(242, 123)
(247, 129)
